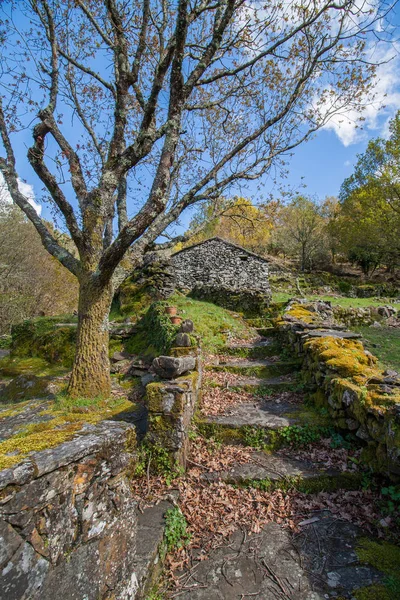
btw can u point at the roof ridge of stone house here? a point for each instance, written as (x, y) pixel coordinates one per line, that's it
(219, 239)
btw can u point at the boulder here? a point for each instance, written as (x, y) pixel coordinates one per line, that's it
(25, 387)
(169, 367)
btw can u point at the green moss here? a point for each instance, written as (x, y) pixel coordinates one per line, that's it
(386, 558)
(14, 366)
(263, 372)
(374, 592)
(44, 338)
(15, 449)
(383, 556)
(66, 417)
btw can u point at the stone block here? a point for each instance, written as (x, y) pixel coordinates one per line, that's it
(169, 367)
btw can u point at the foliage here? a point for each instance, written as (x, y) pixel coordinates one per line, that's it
(301, 229)
(154, 333)
(236, 220)
(31, 281)
(176, 529)
(213, 324)
(392, 496)
(45, 338)
(370, 198)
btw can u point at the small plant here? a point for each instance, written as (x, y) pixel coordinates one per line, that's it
(338, 441)
(254, 437)
(176, 533)
(156, 460)
(301, 435)
(392, 497)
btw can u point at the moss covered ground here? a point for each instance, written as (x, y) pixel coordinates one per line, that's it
(336, 300)
(213, 324)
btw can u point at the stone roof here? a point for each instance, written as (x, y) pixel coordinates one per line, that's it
(218, 239)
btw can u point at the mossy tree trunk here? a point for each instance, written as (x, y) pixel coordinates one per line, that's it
(90, 375)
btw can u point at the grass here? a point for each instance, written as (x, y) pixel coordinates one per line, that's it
(212, 323)
(383, 342)
(337, 300)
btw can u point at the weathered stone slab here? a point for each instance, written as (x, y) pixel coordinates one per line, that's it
(169, 367)
(258, 414)
(269, 466)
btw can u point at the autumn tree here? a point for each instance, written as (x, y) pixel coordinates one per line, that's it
(32, 281)
(237, 220)
(135, 111)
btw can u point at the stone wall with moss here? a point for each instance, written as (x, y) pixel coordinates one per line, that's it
(171, 402)
(68, 522)
(340, 375)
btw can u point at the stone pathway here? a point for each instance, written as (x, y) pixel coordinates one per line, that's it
(317, 563)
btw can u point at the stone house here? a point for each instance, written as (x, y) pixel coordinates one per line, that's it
(220, 264)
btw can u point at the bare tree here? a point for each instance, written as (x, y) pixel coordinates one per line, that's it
(166, 103)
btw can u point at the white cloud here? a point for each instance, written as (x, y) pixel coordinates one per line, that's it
(25, 188)
(347, 163)
(385, 103)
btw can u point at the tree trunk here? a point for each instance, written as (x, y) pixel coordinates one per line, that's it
(90, 376)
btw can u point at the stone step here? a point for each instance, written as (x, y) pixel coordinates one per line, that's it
(318, 562)
(266, 331)
(148, 562)
(262, 368)
(264, 414)
(250, 384)
(275, 470)
(262, 348)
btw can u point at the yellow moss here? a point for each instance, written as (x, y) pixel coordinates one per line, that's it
(348, 357)
(298, 311)
(15, 449)
(67, 420)
(11, 411)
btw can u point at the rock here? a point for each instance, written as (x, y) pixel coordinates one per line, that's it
(390, 373)
(119, 356)
(386, 311)
(169, 367)
(25, 387)
(376, 325)
(183, 340)
(121, 366)
(187, 326)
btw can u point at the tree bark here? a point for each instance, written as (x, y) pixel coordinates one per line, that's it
(90, 377)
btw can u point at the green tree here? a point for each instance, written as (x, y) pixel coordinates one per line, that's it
(171, 103)
(302, 230)
(370, 204)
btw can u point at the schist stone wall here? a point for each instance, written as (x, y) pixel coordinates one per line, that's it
(68, 522)
(216, 262)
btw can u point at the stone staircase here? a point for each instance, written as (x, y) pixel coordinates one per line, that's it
(320, 560)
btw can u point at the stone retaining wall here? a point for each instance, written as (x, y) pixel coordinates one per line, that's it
(344, 377)
(68, 522)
